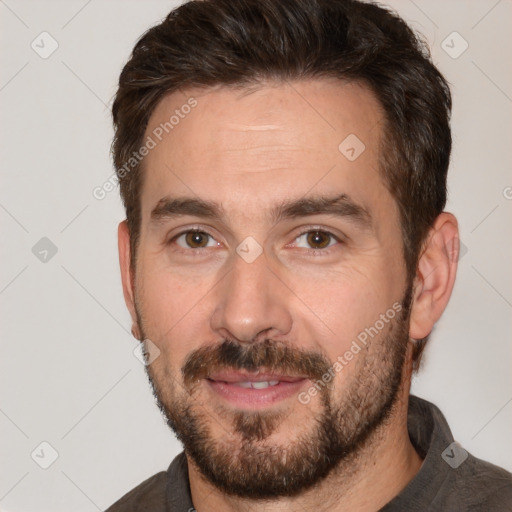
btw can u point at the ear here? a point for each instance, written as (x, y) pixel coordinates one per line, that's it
(435, 276)
(127, 277)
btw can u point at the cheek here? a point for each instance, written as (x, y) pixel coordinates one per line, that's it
(342, 305)
(172, 306)
(166, 295)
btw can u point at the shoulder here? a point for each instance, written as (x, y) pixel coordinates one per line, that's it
(163, 492)
(483, 486)
(450, 478)
(149, 495)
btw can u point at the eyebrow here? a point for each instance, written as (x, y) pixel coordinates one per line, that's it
(339, 206)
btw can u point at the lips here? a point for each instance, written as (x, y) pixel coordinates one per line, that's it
(254, 390)
(231, 377)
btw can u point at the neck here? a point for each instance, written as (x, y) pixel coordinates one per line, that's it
(371, 478)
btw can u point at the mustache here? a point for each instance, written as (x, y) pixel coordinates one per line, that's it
(271, 355)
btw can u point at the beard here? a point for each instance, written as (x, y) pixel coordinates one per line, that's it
(244, 461)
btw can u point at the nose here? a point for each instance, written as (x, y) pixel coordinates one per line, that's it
(251, 303)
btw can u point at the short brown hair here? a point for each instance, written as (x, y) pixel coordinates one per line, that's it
(247, 42)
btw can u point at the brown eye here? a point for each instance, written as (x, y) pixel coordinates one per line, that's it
(318, 239)
(196, 239)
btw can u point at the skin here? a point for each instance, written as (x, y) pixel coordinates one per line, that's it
(249, 152)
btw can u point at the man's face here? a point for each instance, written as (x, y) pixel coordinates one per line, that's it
(253, 300)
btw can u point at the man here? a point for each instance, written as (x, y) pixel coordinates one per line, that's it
(286, 255)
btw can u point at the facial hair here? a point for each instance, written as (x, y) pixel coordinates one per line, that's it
(244, 463)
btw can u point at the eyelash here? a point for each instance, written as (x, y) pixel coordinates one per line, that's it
(187, 231)
(308, 229)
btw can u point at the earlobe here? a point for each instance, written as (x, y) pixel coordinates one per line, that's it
(435, 277)
(123, 239)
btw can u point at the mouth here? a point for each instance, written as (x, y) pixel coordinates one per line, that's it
(254, 390)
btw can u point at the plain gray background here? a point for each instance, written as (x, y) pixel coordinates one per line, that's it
(68, 373)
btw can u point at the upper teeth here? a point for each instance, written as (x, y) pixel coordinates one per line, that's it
(257, 385)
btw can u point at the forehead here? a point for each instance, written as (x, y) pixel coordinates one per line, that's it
(276, 140)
